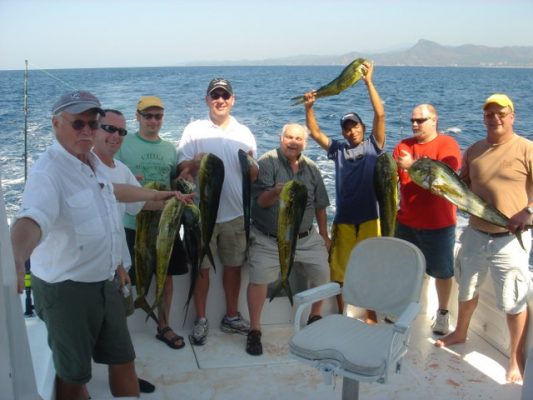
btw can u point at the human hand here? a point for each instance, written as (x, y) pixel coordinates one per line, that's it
(278, 187)
(519, 221)
(368, 71)
(405, 160)
(185, 198)
(310, 98)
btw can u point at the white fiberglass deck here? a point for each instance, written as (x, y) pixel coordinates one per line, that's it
(222, 370)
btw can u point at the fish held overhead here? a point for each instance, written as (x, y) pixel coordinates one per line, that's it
(349, 76)
(442, 181)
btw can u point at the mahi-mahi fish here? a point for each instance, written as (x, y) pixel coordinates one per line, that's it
(292, 202)
(386, 188)
(349, 76)
(144, 254)
(441, 180)
(247, 162)
(169, 225)
(210, 180)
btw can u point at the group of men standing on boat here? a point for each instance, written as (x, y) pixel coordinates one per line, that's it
(70, 225)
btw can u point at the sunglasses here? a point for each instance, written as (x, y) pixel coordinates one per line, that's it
(113, 129)
(218, 95)
(79, 124)
(157, 117)
(500, 115)
(419, 121)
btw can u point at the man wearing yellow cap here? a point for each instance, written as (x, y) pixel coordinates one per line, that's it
(499, 170)
(152, 159)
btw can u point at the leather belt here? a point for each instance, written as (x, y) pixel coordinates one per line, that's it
(300, 235)
(495, 235)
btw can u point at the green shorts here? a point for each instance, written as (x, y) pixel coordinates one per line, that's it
(84, 321)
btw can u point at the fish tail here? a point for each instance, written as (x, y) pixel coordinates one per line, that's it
(287, 287)
(518, 235)
(140, 302)
(297, 100)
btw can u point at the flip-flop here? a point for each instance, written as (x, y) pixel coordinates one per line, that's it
(172, 341)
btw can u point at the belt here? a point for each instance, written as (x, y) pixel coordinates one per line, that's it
(300, 235)
(495, 235)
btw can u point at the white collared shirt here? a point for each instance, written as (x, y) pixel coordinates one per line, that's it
(76, 210)
(203, 136)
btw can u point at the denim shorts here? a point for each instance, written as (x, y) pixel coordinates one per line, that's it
(437, 245)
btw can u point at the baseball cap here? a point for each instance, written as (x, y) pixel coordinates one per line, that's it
(351, 117)
(76, 103)
(501, 99)
(149, 101)
(219, 83)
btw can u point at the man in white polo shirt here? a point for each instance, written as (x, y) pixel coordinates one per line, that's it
(222, 136)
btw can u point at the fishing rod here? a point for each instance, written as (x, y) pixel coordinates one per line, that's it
(28, 312)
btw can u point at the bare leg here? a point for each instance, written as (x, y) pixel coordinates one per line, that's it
(70, 391)
(232, 287)
(123, 380)
(517, 332)
(256, 295)
(466, 310)
(200, 292)
(371, 317)
(444, 288)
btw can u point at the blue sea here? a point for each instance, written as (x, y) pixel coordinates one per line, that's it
(262, 103)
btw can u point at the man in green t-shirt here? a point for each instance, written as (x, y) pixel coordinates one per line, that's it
(152, 159)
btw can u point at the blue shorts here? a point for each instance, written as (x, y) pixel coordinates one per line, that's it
(437, 245)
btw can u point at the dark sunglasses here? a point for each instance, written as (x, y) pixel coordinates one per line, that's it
(113, 129)
(158, 117)
(218, 95)
(79, 124)
(419, 121)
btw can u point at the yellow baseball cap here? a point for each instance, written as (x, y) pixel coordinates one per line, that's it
(501, 99)
(149, 101)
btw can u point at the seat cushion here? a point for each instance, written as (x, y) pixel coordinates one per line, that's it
(358, 347)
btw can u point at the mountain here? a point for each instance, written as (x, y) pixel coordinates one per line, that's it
(423, 53)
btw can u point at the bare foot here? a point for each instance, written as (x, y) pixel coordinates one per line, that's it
(514, 371)
(451, 339)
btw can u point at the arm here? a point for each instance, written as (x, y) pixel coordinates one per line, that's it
(310, 120)
(189, 169)
(322, 222)
(378, 125)
(269, 197)
(25, 236)
(129, 193)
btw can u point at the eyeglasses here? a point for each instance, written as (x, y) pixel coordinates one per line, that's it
(113, 129)
(217, 95)
(79, 124)
(500, 115)
(158, 117)
(419, 121)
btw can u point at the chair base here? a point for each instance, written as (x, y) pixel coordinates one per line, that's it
(350, 389)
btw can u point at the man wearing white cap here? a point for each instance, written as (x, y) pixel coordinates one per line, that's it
(499, 169)
(70, 226)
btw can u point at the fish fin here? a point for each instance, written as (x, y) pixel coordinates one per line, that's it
(297, 100)
(140, 302)
(518, 235)
(211, 259)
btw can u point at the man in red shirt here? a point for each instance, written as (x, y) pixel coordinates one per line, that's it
(424, 219)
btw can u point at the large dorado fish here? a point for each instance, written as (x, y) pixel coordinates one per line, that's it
(144, 255)
(386, 188)
(441, 180)
(349, 76)
(169, 225)
(292, 202)
(246, 162)
(210, 180)
(192, 240)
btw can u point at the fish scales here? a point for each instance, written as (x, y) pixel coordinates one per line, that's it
(386, 189)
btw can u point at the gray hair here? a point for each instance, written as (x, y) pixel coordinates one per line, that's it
(301, 127)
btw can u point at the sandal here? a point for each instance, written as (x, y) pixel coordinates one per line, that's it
(175, 342)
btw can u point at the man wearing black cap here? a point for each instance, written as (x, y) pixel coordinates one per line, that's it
(222, 136)
(70, 226)
(357, 213)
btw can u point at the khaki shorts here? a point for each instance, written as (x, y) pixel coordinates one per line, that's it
(343, 240)
(508, 264)
(311, 257)
(84, 320)
(229, 242)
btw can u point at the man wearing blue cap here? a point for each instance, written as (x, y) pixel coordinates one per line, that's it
(70, 226)
(355, 158)
(499, 169)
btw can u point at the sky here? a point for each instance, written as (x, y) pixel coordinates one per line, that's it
(131, 33)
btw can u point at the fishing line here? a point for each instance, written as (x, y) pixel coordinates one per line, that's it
(56, 78)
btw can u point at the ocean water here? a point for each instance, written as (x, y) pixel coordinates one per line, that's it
(262, 103)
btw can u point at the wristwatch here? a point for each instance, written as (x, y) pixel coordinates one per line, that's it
(529, 210)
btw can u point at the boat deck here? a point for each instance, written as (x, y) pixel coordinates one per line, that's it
(222, 370)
